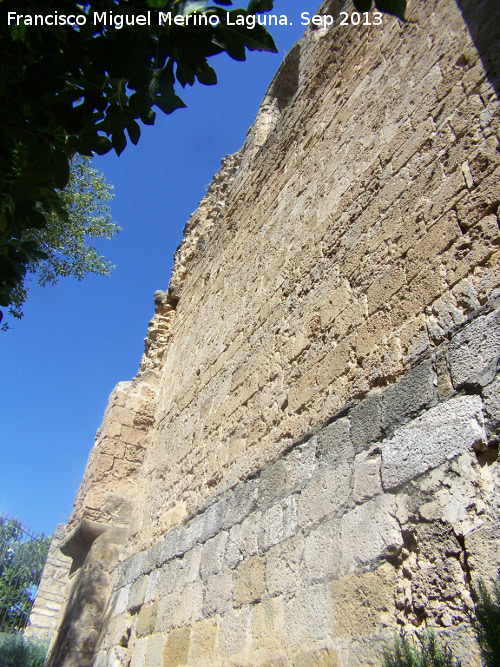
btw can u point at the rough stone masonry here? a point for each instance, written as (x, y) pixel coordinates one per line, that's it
(307, 458)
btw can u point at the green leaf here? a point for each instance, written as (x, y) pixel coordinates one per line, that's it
(255, 6)
(363, 5)
(134, 132)
(395, 7)
(206, 75)
(119, 141)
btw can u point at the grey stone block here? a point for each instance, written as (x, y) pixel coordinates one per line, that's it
(283, 573)
(241, 503)
(300, 465)
(322, 552)
(189, 565)
(334, 442)
(445, 431)
(369, 532)
(192, 533)
(366, 422)
(212, 558)
(154, 655)
(140, 651)
(214, 519)
(309, 616)
(136, 566)
(474, 352)
(171, 546)
(278, 523)
(218, 593)
(138, 592)
(367, 481)
(327, 492)
(168, 578)
(491, 397)
(151, 591)
(243, 540)
(121, 604)
(190, 604)
(153, 557)
(409, 395)
(272, 484)
(167, 612)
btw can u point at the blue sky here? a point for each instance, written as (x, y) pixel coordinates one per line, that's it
(77, 340)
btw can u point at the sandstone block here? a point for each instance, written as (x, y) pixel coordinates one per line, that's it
(474, 352)
(364, 602)
(212, 559)
(367, 482)
(326, 493)
(191, 534)
(491, 397)
(218, 593)
(176, 648)
(233, 632)
(190, 604)
(272, 484)
(366, 422)
(334, 442)
(308, 616)
(241, 503)
(249, 581)
(300, 464)
(171, 546)
(140, 650)
(203, 635)
(168, 578)
(283, 566)
(483, 550)
(243, 540)
(147, 619)
(369, 532)
(406, 397)
(189, 565)
(121, 604)
(442, 433)
(154, 651)
(267, 626)
(151, 591)
(278, 523)
(167, 611)
(138, 592)
(322, 552)
(132, 436)
(214, 518)
(323, 657)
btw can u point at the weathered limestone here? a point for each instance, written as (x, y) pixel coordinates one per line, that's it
(307, 459)
(50, 596)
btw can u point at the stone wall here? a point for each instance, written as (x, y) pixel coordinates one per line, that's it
(306, 459)
(381, 519)
(50, 597)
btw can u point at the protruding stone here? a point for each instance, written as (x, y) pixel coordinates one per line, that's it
(445, 431)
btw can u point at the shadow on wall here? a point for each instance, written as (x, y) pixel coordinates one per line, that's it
(484, 30)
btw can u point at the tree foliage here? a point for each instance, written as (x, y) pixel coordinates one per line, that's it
(21, 566)
(86, 90)
(486, 622)
(67, 242)
(19, 651)
(424, 652)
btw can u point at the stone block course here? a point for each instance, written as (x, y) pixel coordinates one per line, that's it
(445, 431)
(474, 352)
